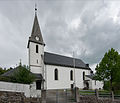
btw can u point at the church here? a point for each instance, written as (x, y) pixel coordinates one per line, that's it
(52, 71)
(55, 71)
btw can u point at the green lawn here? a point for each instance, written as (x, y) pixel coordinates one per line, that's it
(92, 92)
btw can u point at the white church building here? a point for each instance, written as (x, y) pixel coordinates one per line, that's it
(57, 71)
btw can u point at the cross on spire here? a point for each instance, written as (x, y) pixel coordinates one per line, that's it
(35, 8)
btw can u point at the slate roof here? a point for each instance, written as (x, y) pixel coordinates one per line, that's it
(12, 71)
(36, 32)
(90, 76)
(9, 73)
(38, 76)
(55, 59)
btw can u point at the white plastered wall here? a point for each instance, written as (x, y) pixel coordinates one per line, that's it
(28, 90)
(33, 91)
(79, 77)
(15, 87)
(64, 81)
(98, 85)
(34, 57)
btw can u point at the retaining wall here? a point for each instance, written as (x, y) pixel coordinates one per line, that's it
(16, 97)
(15, 87)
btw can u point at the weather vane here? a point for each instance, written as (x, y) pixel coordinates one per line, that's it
(35, 8)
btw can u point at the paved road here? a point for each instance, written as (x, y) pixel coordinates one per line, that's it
(59, 96)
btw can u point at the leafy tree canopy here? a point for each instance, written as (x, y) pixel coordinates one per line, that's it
(2, 71)
(23, 75)
(109, 67)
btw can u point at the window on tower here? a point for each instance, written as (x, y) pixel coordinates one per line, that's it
(56, 74)
(36, 48)
(37, 61)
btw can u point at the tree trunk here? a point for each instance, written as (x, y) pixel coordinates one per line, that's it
(111, 86)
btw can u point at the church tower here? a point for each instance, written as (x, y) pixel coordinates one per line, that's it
(36, 48)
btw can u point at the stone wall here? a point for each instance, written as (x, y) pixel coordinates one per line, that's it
(93, 99)
(16, 97)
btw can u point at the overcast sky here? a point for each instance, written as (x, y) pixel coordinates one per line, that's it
(87, 27)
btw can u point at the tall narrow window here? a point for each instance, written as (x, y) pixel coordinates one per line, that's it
(38, 85)
(56, 74)
(71, 75)
(37, 61)
(83, 75)
(36, 48)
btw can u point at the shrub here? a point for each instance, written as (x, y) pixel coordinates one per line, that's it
(22, 75)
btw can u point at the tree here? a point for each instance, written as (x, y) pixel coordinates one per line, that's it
(2, 71)
(108, 68)
(23, 75)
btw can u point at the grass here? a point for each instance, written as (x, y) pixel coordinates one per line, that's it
(104, 91)
(87, 92)
(92, 92)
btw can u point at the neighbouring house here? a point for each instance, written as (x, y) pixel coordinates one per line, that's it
(55, 71)
(30, 90)
(93, 84)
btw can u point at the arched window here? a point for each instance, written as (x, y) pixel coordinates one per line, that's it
(71, 75)
(36, 48)
(56, 74)
(83, 75)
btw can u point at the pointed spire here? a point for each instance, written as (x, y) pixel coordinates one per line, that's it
(36, 35)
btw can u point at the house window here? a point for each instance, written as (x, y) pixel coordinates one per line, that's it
(36, 48)
(83, 75)
(38, 85)
(56, 74)
(71, 75)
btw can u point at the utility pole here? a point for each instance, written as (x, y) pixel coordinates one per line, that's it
(74, 75)
(74, 69)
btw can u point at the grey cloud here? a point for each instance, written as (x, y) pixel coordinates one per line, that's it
(96, 33)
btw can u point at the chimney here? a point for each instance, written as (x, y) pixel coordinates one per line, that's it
(87, 65)
(91, 72)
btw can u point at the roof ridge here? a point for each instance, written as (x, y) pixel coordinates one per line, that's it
(63, 56)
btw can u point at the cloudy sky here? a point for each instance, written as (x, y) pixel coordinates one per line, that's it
(87, 27)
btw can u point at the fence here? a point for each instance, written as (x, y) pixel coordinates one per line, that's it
(99, 94)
